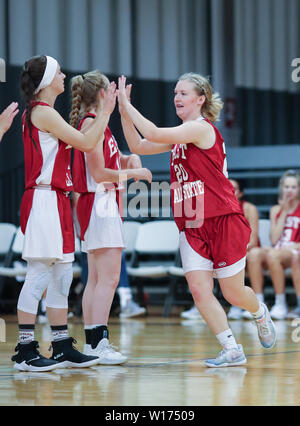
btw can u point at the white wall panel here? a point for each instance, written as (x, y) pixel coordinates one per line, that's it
(2, 29)
(22, 31)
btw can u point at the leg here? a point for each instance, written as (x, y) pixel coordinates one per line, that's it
(57, 294)
(296, 282)
(28, 358)
(36, 282)
(105, 265)
(88, 295)
(201, 286)
(237, 293)
(64, 351)
(277, 261)
(255, 261)
(107, 262)
(296, 273)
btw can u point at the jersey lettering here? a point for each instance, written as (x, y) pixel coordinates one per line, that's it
(112, 146)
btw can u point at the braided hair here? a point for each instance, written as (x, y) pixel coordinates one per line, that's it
(85, 90)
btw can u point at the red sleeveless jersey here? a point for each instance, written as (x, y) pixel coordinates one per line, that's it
(291, 231)
(83, 181)
(200, 188)
(47, 163)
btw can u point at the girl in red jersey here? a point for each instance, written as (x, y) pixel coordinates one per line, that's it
(284, 253)
(46, 218)
(98, 214)
(205, 208)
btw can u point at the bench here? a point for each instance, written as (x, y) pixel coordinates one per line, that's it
(260, 168)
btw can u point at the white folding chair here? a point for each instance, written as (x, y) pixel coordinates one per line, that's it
(154, 239)
(130, 234)
(7, 233)
(264, 232)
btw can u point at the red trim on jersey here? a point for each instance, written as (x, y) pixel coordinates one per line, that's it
(61, 174)
(84, 210)
(111, 161)
(291, 230)
(66, 221)
(25, 208)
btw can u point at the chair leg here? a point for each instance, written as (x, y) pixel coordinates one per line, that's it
(170, 298)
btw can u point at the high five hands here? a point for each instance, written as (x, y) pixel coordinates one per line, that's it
(7, 116)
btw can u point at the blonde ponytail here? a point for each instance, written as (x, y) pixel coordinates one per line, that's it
(76, 89)
(85, 93)
(213, 104)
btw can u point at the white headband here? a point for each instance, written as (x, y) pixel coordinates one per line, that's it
(49, 74)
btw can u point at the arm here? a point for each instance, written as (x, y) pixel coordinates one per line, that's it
(6, 118)
(198, 132)
(100, 173)
(138, 145)
(277, 226)
(49, 120)
(251, 214)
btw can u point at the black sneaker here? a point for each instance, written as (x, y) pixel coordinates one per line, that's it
(28, 358)
(68, 356)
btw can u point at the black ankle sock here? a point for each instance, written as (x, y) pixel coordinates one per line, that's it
(98, 334)
(88, 336)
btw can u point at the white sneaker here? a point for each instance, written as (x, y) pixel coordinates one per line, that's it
(192, 313)
(132, 309)
(228, 358)
(266, 329)
(106, 353)
(247, 315)
(279, 312)
(235, 313)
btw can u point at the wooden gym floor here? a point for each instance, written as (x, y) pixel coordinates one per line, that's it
(165, 368)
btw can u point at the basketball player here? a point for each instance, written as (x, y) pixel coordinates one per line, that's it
(7, 117)
(284, 253)
(46, 218)
(98, 214)
(251, 214)
(204, 207)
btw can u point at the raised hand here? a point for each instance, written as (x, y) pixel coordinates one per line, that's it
(7, 116)
(123, 94)
(109, 98)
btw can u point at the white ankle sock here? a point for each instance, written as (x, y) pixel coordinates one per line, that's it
(125, 295)
(226, 339)
(260, 297)
(280, 299)
(260, 311)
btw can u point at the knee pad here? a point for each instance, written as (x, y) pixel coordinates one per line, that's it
(38, 277)
(58, 289)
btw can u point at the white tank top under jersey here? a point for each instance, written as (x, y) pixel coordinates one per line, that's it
(45, 201)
